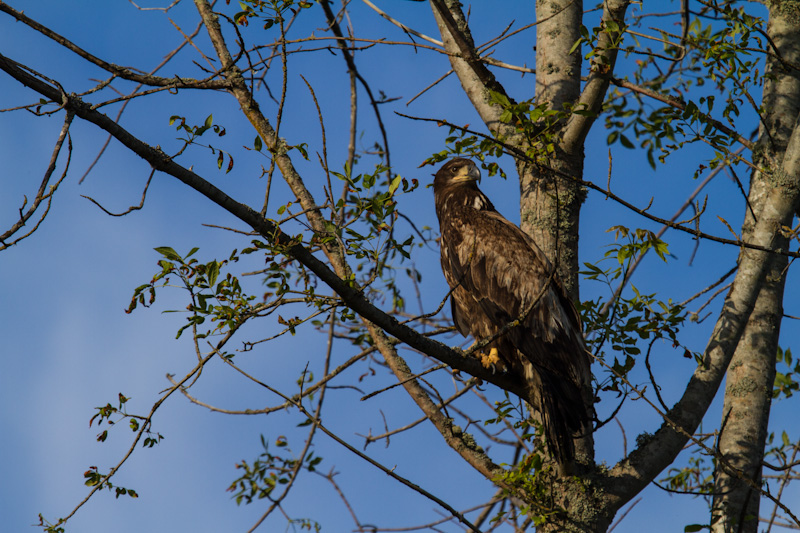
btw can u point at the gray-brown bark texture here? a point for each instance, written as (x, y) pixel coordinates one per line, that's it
(750, 378)
(544, 196)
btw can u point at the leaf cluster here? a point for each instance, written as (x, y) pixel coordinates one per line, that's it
(268, 471)
(222, 301)
(112, 415)
(195, 132)
(271, 12)
(631, 320)
(93, 478)
(786, 382)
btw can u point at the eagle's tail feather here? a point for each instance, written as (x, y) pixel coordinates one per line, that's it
(563, 414)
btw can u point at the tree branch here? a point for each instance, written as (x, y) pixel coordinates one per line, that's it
(520, 155)
(122, 72)
(476, 79)
(44, 192)
(632, 474)
(680, 105)
(603, 62)
(270, 231)
(477, 458)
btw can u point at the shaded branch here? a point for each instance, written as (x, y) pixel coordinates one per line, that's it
(390, 472)
(351, 66)
(44, 193)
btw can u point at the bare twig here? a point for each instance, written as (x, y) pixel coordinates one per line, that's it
(131, 208)
(44, 192)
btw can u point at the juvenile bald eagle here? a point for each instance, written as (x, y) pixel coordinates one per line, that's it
(496, 273)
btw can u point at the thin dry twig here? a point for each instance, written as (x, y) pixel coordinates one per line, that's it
(44, 192)
(131, 208)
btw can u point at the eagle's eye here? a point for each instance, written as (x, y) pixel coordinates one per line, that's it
(454, 170)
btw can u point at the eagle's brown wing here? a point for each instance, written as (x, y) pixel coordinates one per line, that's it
(498, 273)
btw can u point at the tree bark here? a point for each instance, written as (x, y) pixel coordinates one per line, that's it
(750, 378)
(544, 196)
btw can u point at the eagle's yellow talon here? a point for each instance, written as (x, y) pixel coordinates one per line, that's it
(491, 359)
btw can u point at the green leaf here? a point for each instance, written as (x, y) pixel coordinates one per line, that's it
(576, 45)
(257, 144)
(168, 252)
(625, 142)
(213, 272)
(499, 98)
(395, 184)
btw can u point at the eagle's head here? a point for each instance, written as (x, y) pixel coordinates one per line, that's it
(458, 171)
(456, 184)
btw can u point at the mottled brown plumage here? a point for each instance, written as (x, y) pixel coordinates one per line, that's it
(497, 273)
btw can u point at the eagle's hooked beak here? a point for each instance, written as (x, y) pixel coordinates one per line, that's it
(469, 173)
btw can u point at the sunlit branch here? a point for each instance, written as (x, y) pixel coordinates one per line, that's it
(429, 87)
(403, 26)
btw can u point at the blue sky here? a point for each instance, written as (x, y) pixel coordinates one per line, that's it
(69, 347)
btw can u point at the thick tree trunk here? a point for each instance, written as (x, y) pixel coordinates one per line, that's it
(748, 392)
(750, 378)
(550, 212)
(544, 196)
